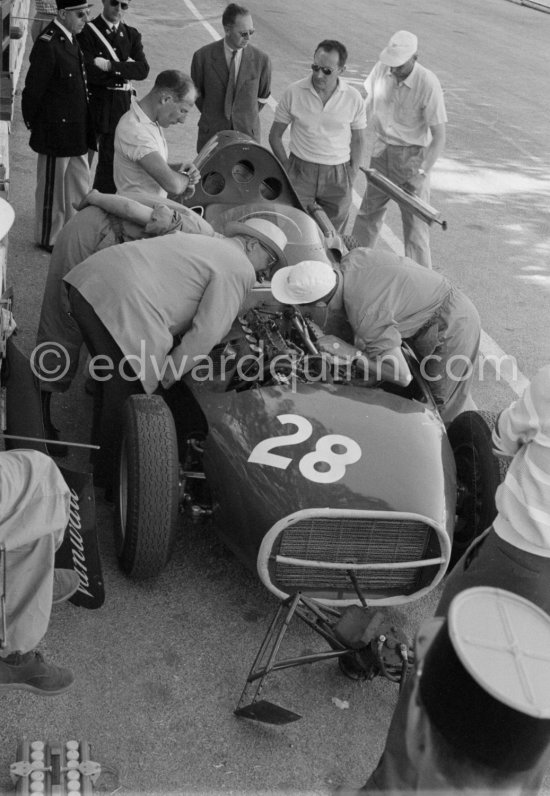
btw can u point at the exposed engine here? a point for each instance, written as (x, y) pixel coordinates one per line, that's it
(277, 347)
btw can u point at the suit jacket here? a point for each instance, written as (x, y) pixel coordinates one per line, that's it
(55, 101)
(108, 106)
(210, 74)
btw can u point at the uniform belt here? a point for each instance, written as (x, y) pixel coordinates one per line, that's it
(126, 87)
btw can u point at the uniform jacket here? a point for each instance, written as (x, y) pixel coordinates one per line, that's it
(107, 106)
(210, 74)
(54, 102)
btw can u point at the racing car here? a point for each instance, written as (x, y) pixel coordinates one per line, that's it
(342, 492)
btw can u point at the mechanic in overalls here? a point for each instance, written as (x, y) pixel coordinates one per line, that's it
(375, 300)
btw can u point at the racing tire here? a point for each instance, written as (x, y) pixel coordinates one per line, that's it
(478, 474)
(148, 487)
(350, 242)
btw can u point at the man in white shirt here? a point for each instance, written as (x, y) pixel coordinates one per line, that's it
(327, 121)
(405, 106)
(141, 153)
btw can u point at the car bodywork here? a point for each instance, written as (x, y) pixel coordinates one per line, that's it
(304, 467)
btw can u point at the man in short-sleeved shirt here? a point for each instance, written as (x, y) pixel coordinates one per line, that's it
(141, 154)
(384, 299)
(327, 121)
(136, 137)
(406, 108)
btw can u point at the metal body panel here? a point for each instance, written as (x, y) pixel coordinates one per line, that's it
(405, 460)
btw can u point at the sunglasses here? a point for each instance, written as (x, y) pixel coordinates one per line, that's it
(80, 14)
(246, 34)
(326, 70)
(124, 6)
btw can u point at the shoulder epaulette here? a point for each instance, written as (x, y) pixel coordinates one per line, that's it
(46, 37)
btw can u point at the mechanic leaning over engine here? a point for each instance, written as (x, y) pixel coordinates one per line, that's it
(387, 299)
(132, 300)
(103, 220)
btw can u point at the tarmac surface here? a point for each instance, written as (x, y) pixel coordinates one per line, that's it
(159, 668)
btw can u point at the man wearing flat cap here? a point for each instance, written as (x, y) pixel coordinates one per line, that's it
(55, 109)
(406, 109)
(131, 301)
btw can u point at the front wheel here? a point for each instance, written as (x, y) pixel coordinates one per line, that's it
(148, 493)
(478, 474)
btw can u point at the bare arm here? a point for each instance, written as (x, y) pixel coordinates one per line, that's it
(276, 141)
(435, 147)
(358, 143)
(168, 178)
(391, 366)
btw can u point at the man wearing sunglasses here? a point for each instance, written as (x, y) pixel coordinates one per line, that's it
(406, 107)
(55, 109)
(233, 79)
(114, 56)
(327, 121)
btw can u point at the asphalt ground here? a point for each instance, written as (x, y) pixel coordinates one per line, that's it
(160, 666)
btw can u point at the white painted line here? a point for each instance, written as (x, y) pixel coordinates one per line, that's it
(506, 366)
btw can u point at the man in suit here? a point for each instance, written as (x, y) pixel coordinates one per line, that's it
(233, 79)
(114, 56)
(55, 109)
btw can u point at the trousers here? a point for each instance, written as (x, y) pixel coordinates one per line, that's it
(35, 503)
(113, 391)
(60, 183)
(329, 186)
(399, 164)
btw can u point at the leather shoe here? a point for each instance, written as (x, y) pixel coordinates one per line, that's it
(30, 672)
(65, 583)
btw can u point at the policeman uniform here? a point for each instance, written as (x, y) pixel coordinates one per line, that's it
(110, 92)
(55, 109)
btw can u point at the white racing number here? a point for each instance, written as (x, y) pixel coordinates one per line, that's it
(325, 465)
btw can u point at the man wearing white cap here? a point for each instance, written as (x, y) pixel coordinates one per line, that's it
(376, 300)
(55, 109)
(130, 302)
(406, 109)
(474, 718)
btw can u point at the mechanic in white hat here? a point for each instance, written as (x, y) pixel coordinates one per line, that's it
(377, 299)
(475, 716)
(131, 301)
(406, 109)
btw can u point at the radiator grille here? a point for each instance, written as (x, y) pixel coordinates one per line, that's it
(358, 540)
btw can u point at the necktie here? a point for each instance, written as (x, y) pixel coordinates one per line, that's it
(230, 90)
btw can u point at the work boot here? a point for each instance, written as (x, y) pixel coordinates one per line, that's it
(50, 431)
(65, 583)
(30, 672)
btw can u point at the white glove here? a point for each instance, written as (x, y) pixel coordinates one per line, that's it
(103, 64)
